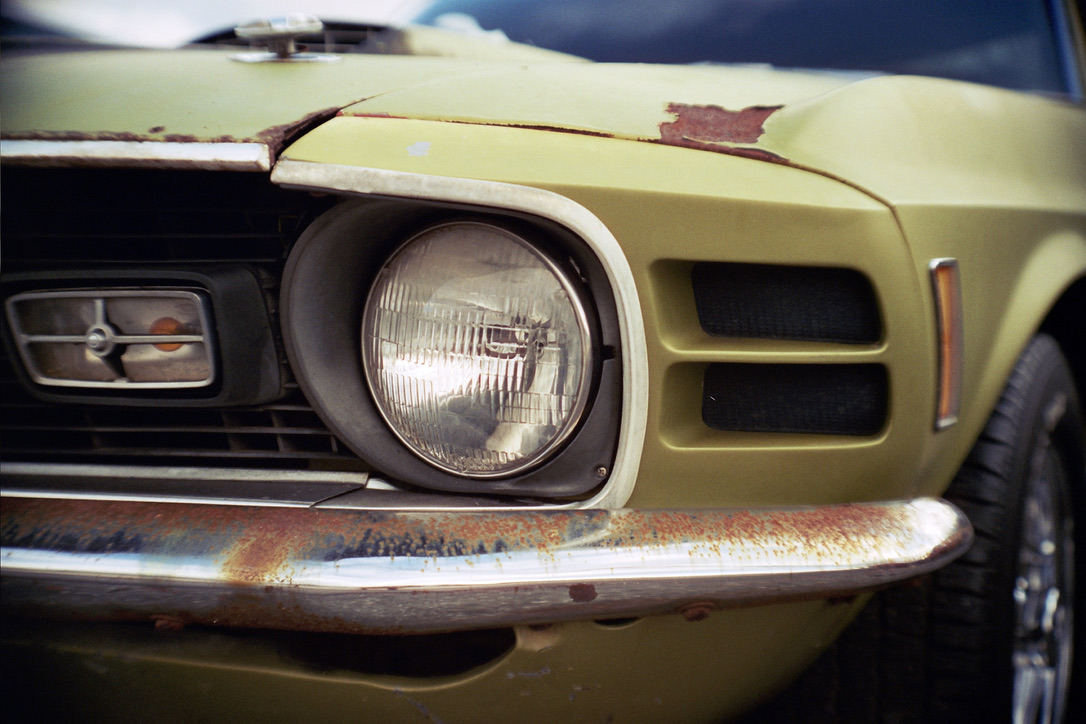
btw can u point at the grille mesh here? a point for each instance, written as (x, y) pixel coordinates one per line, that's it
(87, 219)
(812, 304)
(799, 398)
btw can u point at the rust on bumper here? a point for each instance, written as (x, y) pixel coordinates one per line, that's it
(411, 572)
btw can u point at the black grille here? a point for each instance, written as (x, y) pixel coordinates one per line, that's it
(83, 218)
(65, 220)
(812, 304)
(798, 398)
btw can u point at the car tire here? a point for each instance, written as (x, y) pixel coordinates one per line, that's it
(989, 638)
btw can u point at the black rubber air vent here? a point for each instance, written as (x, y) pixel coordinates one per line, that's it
(796, 398)
(813, 304)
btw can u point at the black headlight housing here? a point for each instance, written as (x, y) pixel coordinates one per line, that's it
(547, 428)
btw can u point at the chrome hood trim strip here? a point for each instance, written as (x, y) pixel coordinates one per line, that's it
(139, 154)
(395, 572)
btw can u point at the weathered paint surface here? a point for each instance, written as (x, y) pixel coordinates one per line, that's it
(343, 570)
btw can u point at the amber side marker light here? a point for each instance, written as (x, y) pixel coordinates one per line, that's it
(946, 286)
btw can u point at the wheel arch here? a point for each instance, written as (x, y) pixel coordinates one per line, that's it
(1066, 324)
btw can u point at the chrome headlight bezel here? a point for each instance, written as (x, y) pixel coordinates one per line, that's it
(326, 284)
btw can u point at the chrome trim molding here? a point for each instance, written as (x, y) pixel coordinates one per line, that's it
(191, 485)
(353, 180)
(394, 572)
(139, 154)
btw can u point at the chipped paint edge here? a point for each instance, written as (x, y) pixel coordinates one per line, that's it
(537, 202)
(138, 154)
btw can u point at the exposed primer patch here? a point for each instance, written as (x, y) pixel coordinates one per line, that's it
(707, 127)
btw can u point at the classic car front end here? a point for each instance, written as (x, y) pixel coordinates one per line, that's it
(390, 387)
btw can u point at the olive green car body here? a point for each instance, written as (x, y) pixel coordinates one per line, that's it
(881, 174)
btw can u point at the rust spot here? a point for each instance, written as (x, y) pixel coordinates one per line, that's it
(582, 592)
(701, 125)
(278, 137)
(74, 136)
(168, 623)
(697, 611)
(712, 128)
(156, 129)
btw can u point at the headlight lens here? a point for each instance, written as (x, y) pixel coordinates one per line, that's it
(477, 350)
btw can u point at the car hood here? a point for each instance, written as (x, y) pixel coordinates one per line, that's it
(191, 95)
(205, 96)
(888, 135)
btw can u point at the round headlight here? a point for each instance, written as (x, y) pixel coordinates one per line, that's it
(477, 350)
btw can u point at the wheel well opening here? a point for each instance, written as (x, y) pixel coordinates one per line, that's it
(1065, 324)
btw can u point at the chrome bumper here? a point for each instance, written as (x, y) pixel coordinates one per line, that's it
(425, 571)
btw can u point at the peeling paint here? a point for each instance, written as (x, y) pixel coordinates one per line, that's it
(701, 125)
(712, 128)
